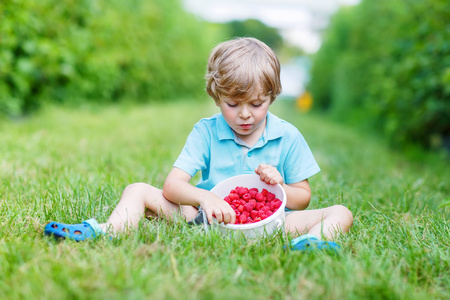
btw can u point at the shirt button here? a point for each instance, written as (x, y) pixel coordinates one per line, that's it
(249, 154)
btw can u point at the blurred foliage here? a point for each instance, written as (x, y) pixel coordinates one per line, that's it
(387, 64)
(257, 29)
(269, 35)
(98, 50)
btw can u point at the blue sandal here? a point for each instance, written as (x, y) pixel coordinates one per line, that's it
(310, 242)
(89, 229)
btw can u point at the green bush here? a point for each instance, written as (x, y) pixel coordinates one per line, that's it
(256, 29)
(387, 64)
(99, 51)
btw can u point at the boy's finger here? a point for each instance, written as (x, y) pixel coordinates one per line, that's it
(226, 217)
(218, 215)
(209, 216)
(233, 216)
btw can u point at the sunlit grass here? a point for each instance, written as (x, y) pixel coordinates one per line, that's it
(73, 165)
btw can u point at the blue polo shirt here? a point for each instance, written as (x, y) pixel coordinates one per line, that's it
(213, 149)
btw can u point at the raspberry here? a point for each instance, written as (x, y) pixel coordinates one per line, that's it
(259, 197)
(253, 192)
(272, 206)
(234, 196)
(259, 205)
(241, 190)
(246, 197)
(248, 207)
(243, 219)
(270, 196)
(265, 208)
(241, 208)
(264, 192)
(253, 204)
(277, 203)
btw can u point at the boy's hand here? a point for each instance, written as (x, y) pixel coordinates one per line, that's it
(221, 210)
(269, 174)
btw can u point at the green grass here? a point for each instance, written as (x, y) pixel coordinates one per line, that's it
(72, 165)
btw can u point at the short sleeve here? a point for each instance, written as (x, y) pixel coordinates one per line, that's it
(195, 154)
(300, 163)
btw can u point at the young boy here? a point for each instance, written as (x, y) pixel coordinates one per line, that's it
(243, 78)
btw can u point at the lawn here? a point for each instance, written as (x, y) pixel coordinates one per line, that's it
(70, 165)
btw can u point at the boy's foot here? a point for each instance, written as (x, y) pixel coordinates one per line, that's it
(310, 242)
(89, 229)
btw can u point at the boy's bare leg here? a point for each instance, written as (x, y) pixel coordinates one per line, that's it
(325, 222)
(139, 200)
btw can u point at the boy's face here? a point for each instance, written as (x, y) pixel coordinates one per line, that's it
(247, 118)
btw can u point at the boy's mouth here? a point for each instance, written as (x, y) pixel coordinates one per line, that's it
(245, 126)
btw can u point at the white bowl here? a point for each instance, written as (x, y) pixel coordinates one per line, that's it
(263, 227)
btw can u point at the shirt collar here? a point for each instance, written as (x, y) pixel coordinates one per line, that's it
(274, 128)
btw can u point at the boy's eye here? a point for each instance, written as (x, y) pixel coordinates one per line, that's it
(231, 105)
(256, 104)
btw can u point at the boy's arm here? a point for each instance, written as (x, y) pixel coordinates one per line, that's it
(178, 190)
(298, 194)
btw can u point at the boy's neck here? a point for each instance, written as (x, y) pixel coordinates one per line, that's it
(254, 137)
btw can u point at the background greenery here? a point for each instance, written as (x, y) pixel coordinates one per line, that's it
(107, 51)
(386, 65)
(102, 51)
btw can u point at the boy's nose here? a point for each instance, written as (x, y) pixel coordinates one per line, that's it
(245, 113)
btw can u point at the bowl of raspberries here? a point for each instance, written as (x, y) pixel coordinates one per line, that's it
(259, 207)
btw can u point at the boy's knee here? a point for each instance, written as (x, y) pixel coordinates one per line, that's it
(139, 188)
(343, 212)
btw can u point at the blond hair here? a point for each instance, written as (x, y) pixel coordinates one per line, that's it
(242, 68)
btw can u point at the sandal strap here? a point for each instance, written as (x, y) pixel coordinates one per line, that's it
(95, 227)
(310, 237)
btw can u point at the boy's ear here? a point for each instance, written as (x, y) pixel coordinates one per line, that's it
(217, 102)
